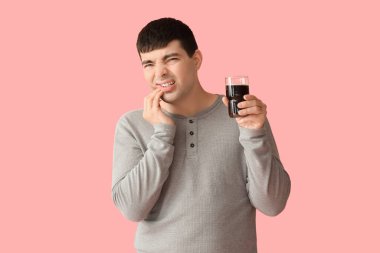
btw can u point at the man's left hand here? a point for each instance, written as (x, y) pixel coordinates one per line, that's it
(252, 112)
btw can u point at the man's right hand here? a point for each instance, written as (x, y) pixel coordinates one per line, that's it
(152, 109)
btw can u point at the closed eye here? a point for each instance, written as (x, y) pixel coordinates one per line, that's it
(147, 65)
(173, 59)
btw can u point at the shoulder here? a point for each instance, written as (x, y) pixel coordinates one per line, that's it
(131, 116)
(132, 125)
(132, 119)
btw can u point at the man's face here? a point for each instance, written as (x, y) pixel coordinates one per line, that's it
(171, 70)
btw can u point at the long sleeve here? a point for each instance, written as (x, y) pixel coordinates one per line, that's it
(268, 184)
(138, 176)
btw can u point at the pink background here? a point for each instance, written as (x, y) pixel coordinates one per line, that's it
(69, 70)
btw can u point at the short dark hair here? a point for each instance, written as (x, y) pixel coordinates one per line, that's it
(159, 33)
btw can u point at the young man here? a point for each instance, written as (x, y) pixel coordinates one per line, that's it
(190, 175)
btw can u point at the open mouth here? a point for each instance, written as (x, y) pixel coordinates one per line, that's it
(166, 84)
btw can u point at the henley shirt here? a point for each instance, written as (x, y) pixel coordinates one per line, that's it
(195, 187)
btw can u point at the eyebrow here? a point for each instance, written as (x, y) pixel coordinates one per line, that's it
(164, 58)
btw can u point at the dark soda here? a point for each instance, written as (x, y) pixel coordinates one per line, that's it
(235, 95)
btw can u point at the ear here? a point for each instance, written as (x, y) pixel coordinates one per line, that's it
(197, 57)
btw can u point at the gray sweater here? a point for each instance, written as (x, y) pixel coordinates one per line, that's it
(195, 187)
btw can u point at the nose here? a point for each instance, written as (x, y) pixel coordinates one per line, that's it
(161, 70)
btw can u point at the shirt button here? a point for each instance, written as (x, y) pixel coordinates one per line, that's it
(192, 145)
(191, 121)
(191, 133)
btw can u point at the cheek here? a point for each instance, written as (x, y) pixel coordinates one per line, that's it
(148, 76)
(183, 72)
(188, 74)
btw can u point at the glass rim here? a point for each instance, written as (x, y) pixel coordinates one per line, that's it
(228, 80)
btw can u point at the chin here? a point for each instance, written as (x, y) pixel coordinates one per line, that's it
(168, 99)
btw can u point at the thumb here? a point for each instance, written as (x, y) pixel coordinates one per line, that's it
(225, 100)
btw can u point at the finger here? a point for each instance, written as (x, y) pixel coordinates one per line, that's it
(146, 103)
(255, 110)
(150, 97)
(249, 103)
(249, 97)
(225, 100)
(156, 99)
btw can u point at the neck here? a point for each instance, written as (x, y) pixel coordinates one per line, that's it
(195, 102)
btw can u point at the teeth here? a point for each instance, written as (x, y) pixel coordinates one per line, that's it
(167, 84)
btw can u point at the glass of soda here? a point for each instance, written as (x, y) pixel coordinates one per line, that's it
(236, 88)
